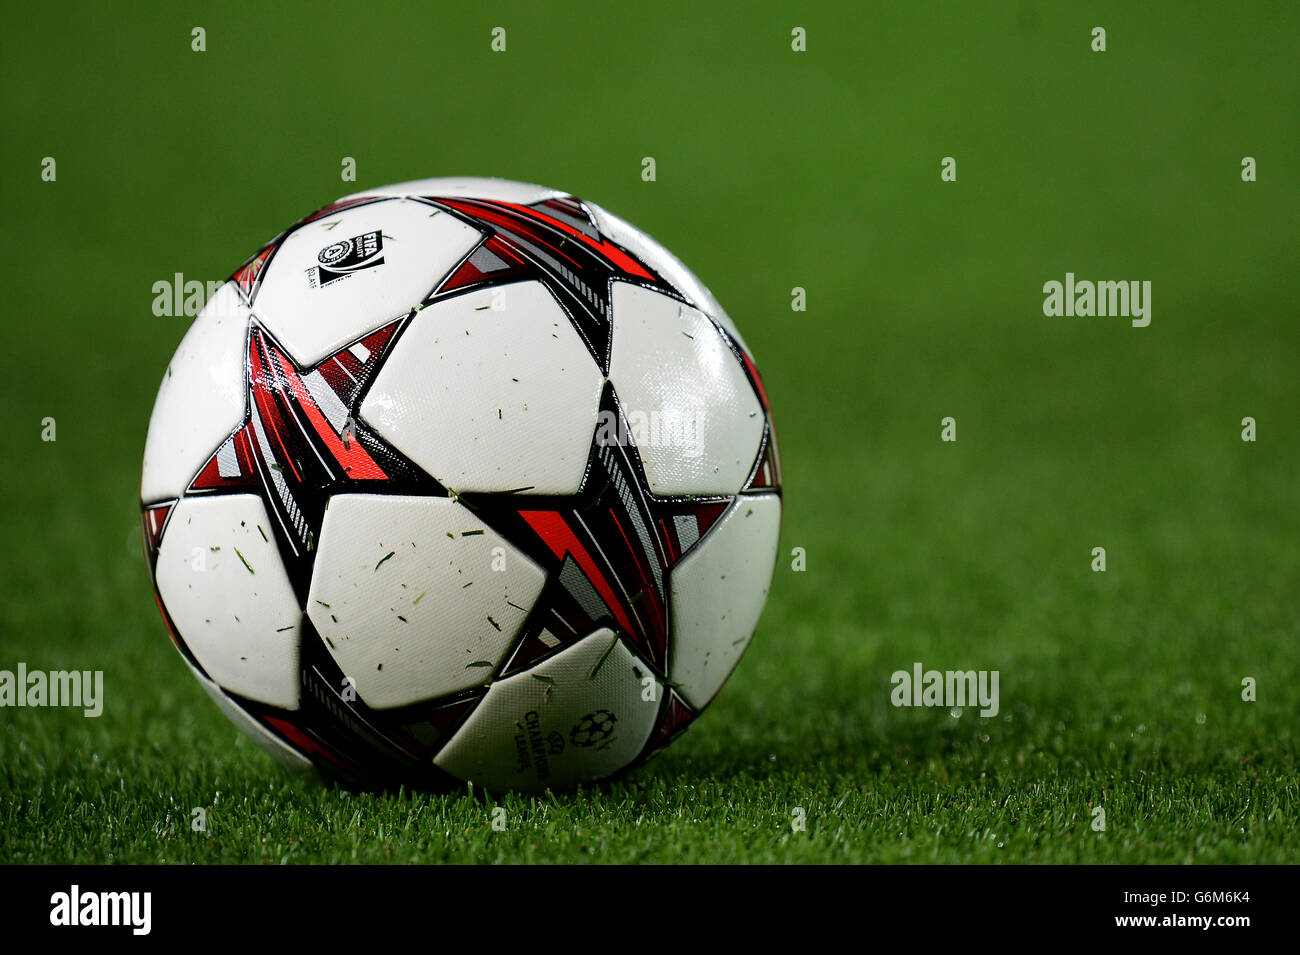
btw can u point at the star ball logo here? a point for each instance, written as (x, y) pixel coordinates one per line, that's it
(593, 728)
(341, 259)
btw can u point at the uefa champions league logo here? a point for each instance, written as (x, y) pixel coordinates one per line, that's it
(593, 729)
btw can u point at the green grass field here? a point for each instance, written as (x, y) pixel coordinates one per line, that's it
(775, 169)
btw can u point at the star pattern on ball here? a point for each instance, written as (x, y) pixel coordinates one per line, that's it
(606, 551)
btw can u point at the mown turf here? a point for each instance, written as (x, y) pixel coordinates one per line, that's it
(1119, 690)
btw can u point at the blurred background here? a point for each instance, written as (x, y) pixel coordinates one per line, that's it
(775, 169)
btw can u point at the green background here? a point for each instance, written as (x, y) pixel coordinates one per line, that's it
(775, 169)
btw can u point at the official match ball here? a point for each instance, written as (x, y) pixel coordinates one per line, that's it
(462, 480)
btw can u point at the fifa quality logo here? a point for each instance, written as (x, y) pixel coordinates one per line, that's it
(341, 259)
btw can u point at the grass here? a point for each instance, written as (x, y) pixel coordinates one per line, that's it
(1119, 690)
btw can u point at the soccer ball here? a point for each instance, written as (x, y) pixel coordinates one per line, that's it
(462, 480)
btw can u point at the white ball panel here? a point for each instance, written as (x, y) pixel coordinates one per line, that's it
(717, 594)
(528, 732)
(503, 190)
(457, 607)
(201, 399)
(228, 593)
(490, 400)
(420, 245)
(665, 263)
(674, 372)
